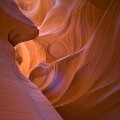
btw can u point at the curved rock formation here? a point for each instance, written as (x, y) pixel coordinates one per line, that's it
(20, 99)
(75, 59)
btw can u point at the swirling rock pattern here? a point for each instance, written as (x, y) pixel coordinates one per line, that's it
(20, 99)
(76, 61)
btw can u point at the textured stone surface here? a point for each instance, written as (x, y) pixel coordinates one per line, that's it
(20, 99)
(75, 59)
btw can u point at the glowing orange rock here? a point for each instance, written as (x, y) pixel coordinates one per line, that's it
(80, 70)
(20, 99)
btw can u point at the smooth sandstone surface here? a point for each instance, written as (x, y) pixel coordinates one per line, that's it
(74, 60)
(20, 99)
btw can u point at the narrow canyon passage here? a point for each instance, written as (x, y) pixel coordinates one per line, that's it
(65, 61)
(20, 99)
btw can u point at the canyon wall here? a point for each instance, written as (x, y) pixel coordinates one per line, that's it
(75, 59)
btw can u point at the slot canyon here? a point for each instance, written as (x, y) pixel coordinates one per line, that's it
(60, 59)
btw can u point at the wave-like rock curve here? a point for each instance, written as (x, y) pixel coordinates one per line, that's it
(75, 59)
